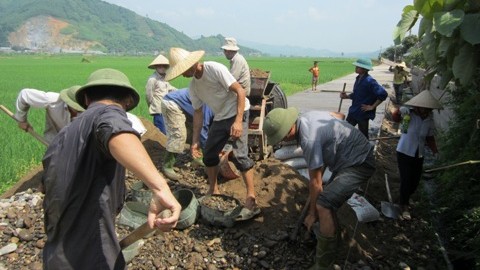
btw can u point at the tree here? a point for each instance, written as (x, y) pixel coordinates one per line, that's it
(450, 44)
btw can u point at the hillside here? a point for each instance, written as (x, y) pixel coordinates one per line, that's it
(69, 25)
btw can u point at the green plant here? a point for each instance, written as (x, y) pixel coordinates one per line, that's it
(450, 44)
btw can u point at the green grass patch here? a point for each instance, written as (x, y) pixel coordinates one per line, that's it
(21, 152)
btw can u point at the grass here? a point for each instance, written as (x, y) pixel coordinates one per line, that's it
(21, 152)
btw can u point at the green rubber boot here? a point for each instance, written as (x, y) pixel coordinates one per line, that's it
(168, 162)
(326, 253)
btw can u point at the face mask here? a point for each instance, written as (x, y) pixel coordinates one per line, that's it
(161, 70)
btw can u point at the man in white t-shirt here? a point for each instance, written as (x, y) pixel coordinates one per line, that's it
(213, 85)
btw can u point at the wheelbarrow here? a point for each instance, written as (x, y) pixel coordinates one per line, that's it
(389, 209)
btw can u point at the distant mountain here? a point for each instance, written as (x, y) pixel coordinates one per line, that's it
(296, 51)
(90, 25)
(97, 26)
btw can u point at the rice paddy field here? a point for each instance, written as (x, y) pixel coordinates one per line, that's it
(20, 152)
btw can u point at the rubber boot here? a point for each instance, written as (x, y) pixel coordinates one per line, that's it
(325, 253)
(168, 163)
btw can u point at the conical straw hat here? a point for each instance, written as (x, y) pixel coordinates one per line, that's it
(180, 61)
(159, 60)
(425, 100)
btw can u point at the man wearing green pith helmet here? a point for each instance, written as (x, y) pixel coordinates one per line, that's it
(367, 95)
(84, 178)
(326, 141)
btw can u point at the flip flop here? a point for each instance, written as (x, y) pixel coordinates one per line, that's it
(246, 214)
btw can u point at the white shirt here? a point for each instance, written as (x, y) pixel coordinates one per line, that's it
(241, 71)
(213, 89)
(414, 139)
(155, 89)
(57, 114)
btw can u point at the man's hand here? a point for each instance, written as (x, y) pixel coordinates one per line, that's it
(24, 126)
(161, 201)
(196, 151)
(344, 95)
(236, 130)
(309, 220)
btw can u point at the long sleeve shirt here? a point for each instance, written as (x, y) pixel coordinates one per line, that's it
(365, 91)
(414, 139)
(156, 89)
(57, 114)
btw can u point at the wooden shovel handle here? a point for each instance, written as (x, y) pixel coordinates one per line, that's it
(30, 130)
(341, 99)
(302, 216)
(141, 231)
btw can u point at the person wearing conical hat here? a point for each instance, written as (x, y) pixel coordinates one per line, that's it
(212, 84)
(156, 88)
(326, 141)
(84, 178)
(416, 134)
(400, 79)
(238, 65)
(366, 96)
(60, 108)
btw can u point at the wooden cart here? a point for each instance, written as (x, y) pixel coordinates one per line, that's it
(264, 97)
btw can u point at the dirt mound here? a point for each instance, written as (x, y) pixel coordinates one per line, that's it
(263, 242)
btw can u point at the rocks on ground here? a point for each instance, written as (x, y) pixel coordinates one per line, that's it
(261, 243)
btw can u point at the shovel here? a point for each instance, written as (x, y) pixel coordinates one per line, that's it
(141, 231)
(389, 209)
(30, 130)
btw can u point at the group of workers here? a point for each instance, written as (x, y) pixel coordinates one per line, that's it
(84, 165)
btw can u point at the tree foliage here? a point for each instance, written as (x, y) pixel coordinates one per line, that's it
(450, 44)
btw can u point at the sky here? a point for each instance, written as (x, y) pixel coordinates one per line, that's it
(340, 26)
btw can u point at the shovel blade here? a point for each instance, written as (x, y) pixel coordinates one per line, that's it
(390, 210)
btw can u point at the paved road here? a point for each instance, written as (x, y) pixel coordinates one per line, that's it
(326, 98)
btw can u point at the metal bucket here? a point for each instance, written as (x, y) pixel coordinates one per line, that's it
(190, 208)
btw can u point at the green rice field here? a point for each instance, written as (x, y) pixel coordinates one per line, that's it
(20, 152)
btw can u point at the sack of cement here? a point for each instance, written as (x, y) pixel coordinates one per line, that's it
(288, 151)
(363, 209)
(296, 163)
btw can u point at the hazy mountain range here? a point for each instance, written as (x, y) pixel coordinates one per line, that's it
(93, 25)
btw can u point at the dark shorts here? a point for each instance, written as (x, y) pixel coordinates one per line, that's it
(344, 183)
(218, 135)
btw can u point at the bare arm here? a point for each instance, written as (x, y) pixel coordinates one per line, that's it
(127, 149)
(315, 187)
(197, 128)
(236, 130)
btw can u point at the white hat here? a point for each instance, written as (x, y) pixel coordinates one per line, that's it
(230, 44)
(181, 60)
(159, 60)
(424, 99)
(402, 65)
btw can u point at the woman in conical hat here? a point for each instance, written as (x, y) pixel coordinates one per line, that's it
(156, 88)
(417, 132)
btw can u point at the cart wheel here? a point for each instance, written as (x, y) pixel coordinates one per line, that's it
(276, 97)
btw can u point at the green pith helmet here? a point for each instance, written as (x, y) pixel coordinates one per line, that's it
(68, 96)
(278, 122)
(363, 63)
(108, 77)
